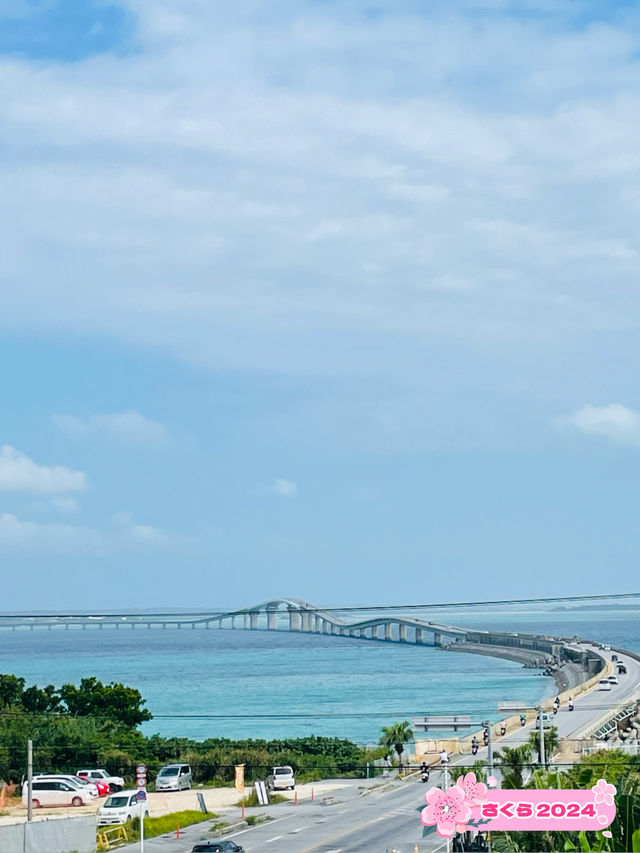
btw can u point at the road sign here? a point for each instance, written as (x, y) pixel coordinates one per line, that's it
(449, 722)
(141, 782)
(142, 795)
(141, 769)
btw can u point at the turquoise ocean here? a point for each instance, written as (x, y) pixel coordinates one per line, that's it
(234, 683)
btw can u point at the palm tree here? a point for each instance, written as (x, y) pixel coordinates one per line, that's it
(513, 760)
(396, 736)
(550, 742)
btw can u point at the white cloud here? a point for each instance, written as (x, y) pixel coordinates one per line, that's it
(19, 473)
(19, 535)
(614, 421)
(364, 159)
(65, 506)
(144, 534)
(280, 487)
(130, 427)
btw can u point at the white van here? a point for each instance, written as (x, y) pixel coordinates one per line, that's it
(547, 720)
(604, 684)
(55, 792)
(74, 781)
(281, 778)
(121, 807)
(174, 777)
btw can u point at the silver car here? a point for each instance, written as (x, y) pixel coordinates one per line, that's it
(174, 777)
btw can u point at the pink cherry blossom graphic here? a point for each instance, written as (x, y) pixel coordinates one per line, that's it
(607, 834)
(474, 792)
(447, 810)
(604, 792)
(492, 782)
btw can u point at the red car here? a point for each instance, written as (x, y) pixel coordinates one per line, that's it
(103, 787)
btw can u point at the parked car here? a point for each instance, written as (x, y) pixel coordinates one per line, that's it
(281, 778)
(604, 684)
(121, 807)
(115, 783)
(217, 847)
(76, 781)
(174, 777)
(55, 792)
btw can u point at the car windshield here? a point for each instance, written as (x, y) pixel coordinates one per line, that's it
(169, 771)
(116, 803)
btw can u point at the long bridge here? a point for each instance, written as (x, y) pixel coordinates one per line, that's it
(297, 615)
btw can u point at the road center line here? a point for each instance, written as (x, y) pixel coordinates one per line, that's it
(275, 838)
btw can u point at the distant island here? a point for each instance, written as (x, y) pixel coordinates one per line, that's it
(598, 607)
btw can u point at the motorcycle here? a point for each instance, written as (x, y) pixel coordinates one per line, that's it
(474, 749)
(523, 720)
(424, 775)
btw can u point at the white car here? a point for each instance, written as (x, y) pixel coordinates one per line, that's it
(123, 806)
(613, 679)
(604, 684)
(281, 778)
(55, 792)
(116, 783)
(76, 781)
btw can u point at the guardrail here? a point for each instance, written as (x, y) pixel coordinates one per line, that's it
(114, 835)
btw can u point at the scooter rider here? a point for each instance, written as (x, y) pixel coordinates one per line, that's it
(570, 704)
(444, 757)
(523, 719)
(474, 745)
(424, 772)
(503, 728)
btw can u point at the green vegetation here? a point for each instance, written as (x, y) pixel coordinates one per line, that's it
(166, 823)
(250, 800)
(395, 737)
(619, 769)
(95, 725)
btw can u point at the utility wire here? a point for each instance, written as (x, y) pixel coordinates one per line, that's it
(215, 613)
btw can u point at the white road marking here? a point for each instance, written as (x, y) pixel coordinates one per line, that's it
(292, 831)
(275, 838)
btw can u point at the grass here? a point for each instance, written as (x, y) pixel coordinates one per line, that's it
(161, 825)
(251, 799)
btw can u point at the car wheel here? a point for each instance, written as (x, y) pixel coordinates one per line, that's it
(35, 804)
(76, 801)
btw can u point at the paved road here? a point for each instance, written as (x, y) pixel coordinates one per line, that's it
(386, 821)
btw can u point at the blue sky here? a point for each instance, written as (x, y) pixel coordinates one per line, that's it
(336, 300)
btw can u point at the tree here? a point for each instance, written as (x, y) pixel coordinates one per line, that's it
(11, 688)
(396, 736)
(513, 760)
(41, 701)
(550, 742)
(113, 701)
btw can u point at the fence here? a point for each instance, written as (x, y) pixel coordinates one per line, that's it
(64, 835)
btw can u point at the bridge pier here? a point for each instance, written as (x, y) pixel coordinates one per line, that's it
(295, 620)
(148, 625)
(402, 632)
(254, 621)
(418, 636)
(247, 621)
(437, 639)
(272, 621)
(305, 620)
(387, 631)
